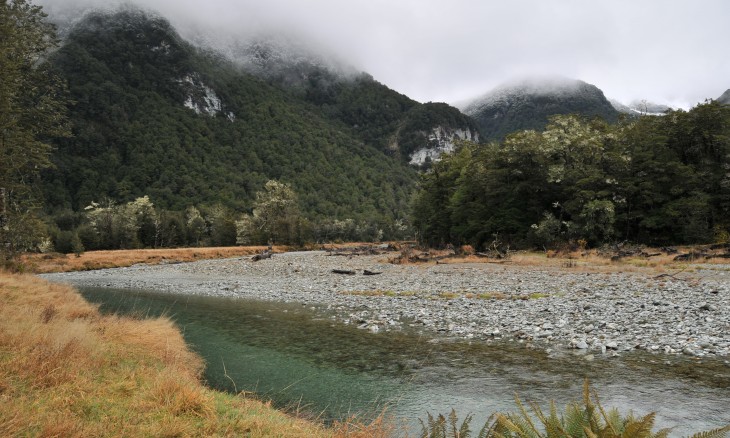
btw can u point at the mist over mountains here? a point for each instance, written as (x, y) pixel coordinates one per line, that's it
(528, 103)
(433, 53)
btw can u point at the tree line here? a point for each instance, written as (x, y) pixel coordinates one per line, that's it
(653, 180)
(275, 218)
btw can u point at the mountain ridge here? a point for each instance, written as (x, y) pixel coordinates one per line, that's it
(725, 97)
(528, 103)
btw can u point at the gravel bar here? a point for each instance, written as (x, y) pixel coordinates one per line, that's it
(551, 308)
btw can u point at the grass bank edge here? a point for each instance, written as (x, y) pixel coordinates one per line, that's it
(67, 370)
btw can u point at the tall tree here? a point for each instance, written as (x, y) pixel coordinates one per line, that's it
(32, 111)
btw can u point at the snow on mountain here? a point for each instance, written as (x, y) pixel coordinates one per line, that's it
(641, 108)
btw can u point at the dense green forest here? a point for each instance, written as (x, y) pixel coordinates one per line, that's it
(155, 117)
(654, 180)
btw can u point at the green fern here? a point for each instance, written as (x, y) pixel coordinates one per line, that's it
(437, 427)
(589, 420)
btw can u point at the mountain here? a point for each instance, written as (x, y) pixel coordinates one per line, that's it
(154, 115)
(528, 103)
(379, 116)
(641, 107)
(725, 98)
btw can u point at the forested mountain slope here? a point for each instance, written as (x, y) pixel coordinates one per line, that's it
(155, 116)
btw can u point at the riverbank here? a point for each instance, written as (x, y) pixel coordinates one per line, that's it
(684, 311)
(67, 370)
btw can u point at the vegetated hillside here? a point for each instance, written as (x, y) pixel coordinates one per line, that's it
(154, 116)
(376, 114)
(527, 104)
(725, 98)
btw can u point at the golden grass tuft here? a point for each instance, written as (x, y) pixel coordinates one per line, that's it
(67, 370)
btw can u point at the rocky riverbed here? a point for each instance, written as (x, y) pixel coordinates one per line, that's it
(551, 308)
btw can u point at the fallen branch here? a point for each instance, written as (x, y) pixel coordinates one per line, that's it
(343, 272)
(366, 272)
(671, 275)
(690, 256)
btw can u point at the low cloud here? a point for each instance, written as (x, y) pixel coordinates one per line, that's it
(668, 51)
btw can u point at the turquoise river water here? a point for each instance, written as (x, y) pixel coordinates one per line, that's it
(302, 359)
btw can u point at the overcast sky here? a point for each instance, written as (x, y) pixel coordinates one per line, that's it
(667, 51)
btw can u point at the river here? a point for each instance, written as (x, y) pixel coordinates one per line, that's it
(303, 360)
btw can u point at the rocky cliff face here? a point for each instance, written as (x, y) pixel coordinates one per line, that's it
(441, 140)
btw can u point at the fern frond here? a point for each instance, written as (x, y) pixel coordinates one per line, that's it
(614, 418)
(587, 393)
(489, 428)
(452, 421)
(662, 433)
(464, 430)
(527, 419)
(551, 424)
(508, 424)
(608, 424)
(639, 428)
(574, 420)
(589, 433)
(434, 427)
(714, 433)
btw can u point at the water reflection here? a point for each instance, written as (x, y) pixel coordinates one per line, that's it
(300, 357)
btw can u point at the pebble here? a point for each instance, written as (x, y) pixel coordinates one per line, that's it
(615, 311)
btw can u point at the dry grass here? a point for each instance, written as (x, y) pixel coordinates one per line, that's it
(67, 370)
(592, 261)
(43, 263)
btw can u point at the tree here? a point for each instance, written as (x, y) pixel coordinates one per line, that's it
(275, 216)
(32, 111)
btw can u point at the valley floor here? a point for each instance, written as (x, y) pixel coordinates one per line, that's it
(678, 310)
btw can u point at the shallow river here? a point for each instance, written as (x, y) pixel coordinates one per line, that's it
(301, 359)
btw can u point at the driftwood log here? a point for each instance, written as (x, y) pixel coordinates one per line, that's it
(343, 272)
(263, 255)
(366, 272)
